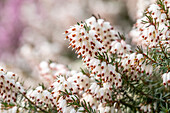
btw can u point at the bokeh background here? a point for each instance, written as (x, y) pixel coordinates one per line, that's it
(31, 31)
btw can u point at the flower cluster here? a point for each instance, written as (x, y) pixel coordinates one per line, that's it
(9, 88)
(153, 28)
(93, 38)
(41, 97)
(135, 66)
(90, 40)
(141, 6)
(116, 79)
(75, 83)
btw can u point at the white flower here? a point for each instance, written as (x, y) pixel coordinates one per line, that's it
(9, 86)
(120, 47)
(103, 109)
(80, 110)
(73, 110)
(166, 79)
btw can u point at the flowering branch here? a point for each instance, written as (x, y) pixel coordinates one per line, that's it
(141, 51)
(163, 51)
(116, 79)
(34, 104)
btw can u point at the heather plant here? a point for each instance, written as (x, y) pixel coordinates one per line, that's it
(116, 78)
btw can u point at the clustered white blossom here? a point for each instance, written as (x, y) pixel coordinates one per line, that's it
(152, 29)
(41, 97)
(141, 6)
(135, 66)
(80, 85)
(93, 37)
(75, 82)
(97, 36)
(93, 40)
(9, 87)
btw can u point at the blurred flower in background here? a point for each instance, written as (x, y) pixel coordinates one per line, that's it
(31, 31)
(10, 25)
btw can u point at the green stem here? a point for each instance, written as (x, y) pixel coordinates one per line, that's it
(163, 51)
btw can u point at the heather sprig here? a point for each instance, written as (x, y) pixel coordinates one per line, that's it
(116, 79)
